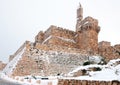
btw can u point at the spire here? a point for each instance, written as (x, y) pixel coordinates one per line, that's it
(79, 16)
(80, 12)
(80, 5)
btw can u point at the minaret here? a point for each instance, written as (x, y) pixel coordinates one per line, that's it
(79, 13)
(79, 16)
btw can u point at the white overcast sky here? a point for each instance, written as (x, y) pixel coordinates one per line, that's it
(21, 20)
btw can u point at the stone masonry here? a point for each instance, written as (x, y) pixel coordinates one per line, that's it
(58, 50)
(86, 82)
(109, 52)
(2, 65)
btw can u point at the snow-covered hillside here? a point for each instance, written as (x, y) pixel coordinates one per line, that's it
(108, 72)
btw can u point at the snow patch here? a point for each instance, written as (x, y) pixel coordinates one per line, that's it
(109, 72)
(64, 39)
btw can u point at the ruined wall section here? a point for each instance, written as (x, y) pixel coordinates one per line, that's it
(109, 52)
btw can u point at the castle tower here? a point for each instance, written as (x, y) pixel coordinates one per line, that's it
(79, 16)
(87, 33)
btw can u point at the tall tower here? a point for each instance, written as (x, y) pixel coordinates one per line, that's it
(87, 32)
(79, 16)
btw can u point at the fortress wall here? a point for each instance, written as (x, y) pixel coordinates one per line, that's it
(88, 21)
(60, 32)
(18, 51)
(58, 48)
(110, 52)
(86, 82)
(39, 37)
(26, 66)
(104, 44)
(88, 40)
(60, 41)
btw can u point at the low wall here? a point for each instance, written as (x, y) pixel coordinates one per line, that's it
(86, 82)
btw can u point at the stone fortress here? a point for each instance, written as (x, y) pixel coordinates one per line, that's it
(59, 50)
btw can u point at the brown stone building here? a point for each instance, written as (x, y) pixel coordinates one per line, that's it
(85, 38)
(59, 50)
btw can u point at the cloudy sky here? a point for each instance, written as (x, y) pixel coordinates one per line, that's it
(21, 20)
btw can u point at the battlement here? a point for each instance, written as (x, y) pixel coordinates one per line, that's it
(57, 36)
(60, 32)
(104, 44)
(89, 23)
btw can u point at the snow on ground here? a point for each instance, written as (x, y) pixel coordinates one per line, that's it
(47, 39)
(64, 39)
(31, 80)
(109, 72)
(83, 67)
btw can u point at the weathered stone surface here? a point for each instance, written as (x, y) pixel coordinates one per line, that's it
(2, 65)
(26, 66)
(108, 51)
(86, 82)
(58, 50)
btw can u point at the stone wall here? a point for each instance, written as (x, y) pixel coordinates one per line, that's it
(88, 40)
(26, 66)
(104, 44)
(56, 62)
(109, 52)
(48, 60)
(57, 32)
(60, 41)
(86, 82)
(51, 47)
(2, 65)
(88, 23)
(19, 50)
(60, 32)
(39, 38)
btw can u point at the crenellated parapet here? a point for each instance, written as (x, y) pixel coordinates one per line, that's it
(57, 36)
(60, 32)
(88, 23)
(108, 51)
(40, 37)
